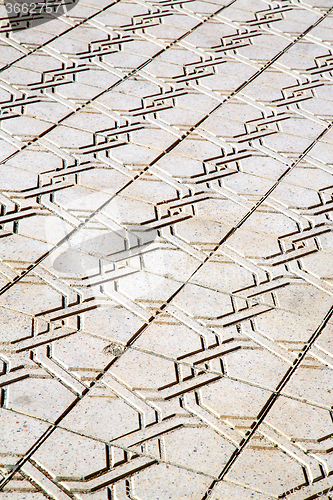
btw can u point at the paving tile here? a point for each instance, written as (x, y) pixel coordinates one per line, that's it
(264, 468)
(166, 247)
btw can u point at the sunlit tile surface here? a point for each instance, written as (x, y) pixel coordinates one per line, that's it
(166, 267)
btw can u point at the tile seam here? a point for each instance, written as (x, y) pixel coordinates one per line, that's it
(142, 172)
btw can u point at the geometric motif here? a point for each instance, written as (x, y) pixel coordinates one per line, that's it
(166, 287)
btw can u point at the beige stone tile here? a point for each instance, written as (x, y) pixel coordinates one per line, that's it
(203, 450)
(80, 352)
(67, 455)
(112, 323)
(166, 481)
(94, 414)
(201, 303)
(265, 469)
(143, 371)
(165, 223)
(44, 398)
(258, 366)
(226, 489)
(173, 340)
(240, 407)
(21, 325)
(312, 383)
(303, 431)
(19, 433)
(31, 298)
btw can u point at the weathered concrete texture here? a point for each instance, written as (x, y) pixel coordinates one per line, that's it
(166, 197)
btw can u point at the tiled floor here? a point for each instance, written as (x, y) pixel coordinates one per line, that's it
(166, 268)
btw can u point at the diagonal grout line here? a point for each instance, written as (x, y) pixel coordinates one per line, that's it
(71, 28)
(239, 224)
(272, 400)
(275, 185)
(176, 143)
(273, 397)
(59, 36)
(119, 82)
(307, 348)
(30, 452)
(144, 64)
(121, 447)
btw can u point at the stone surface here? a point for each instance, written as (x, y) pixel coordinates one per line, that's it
(166, 284)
